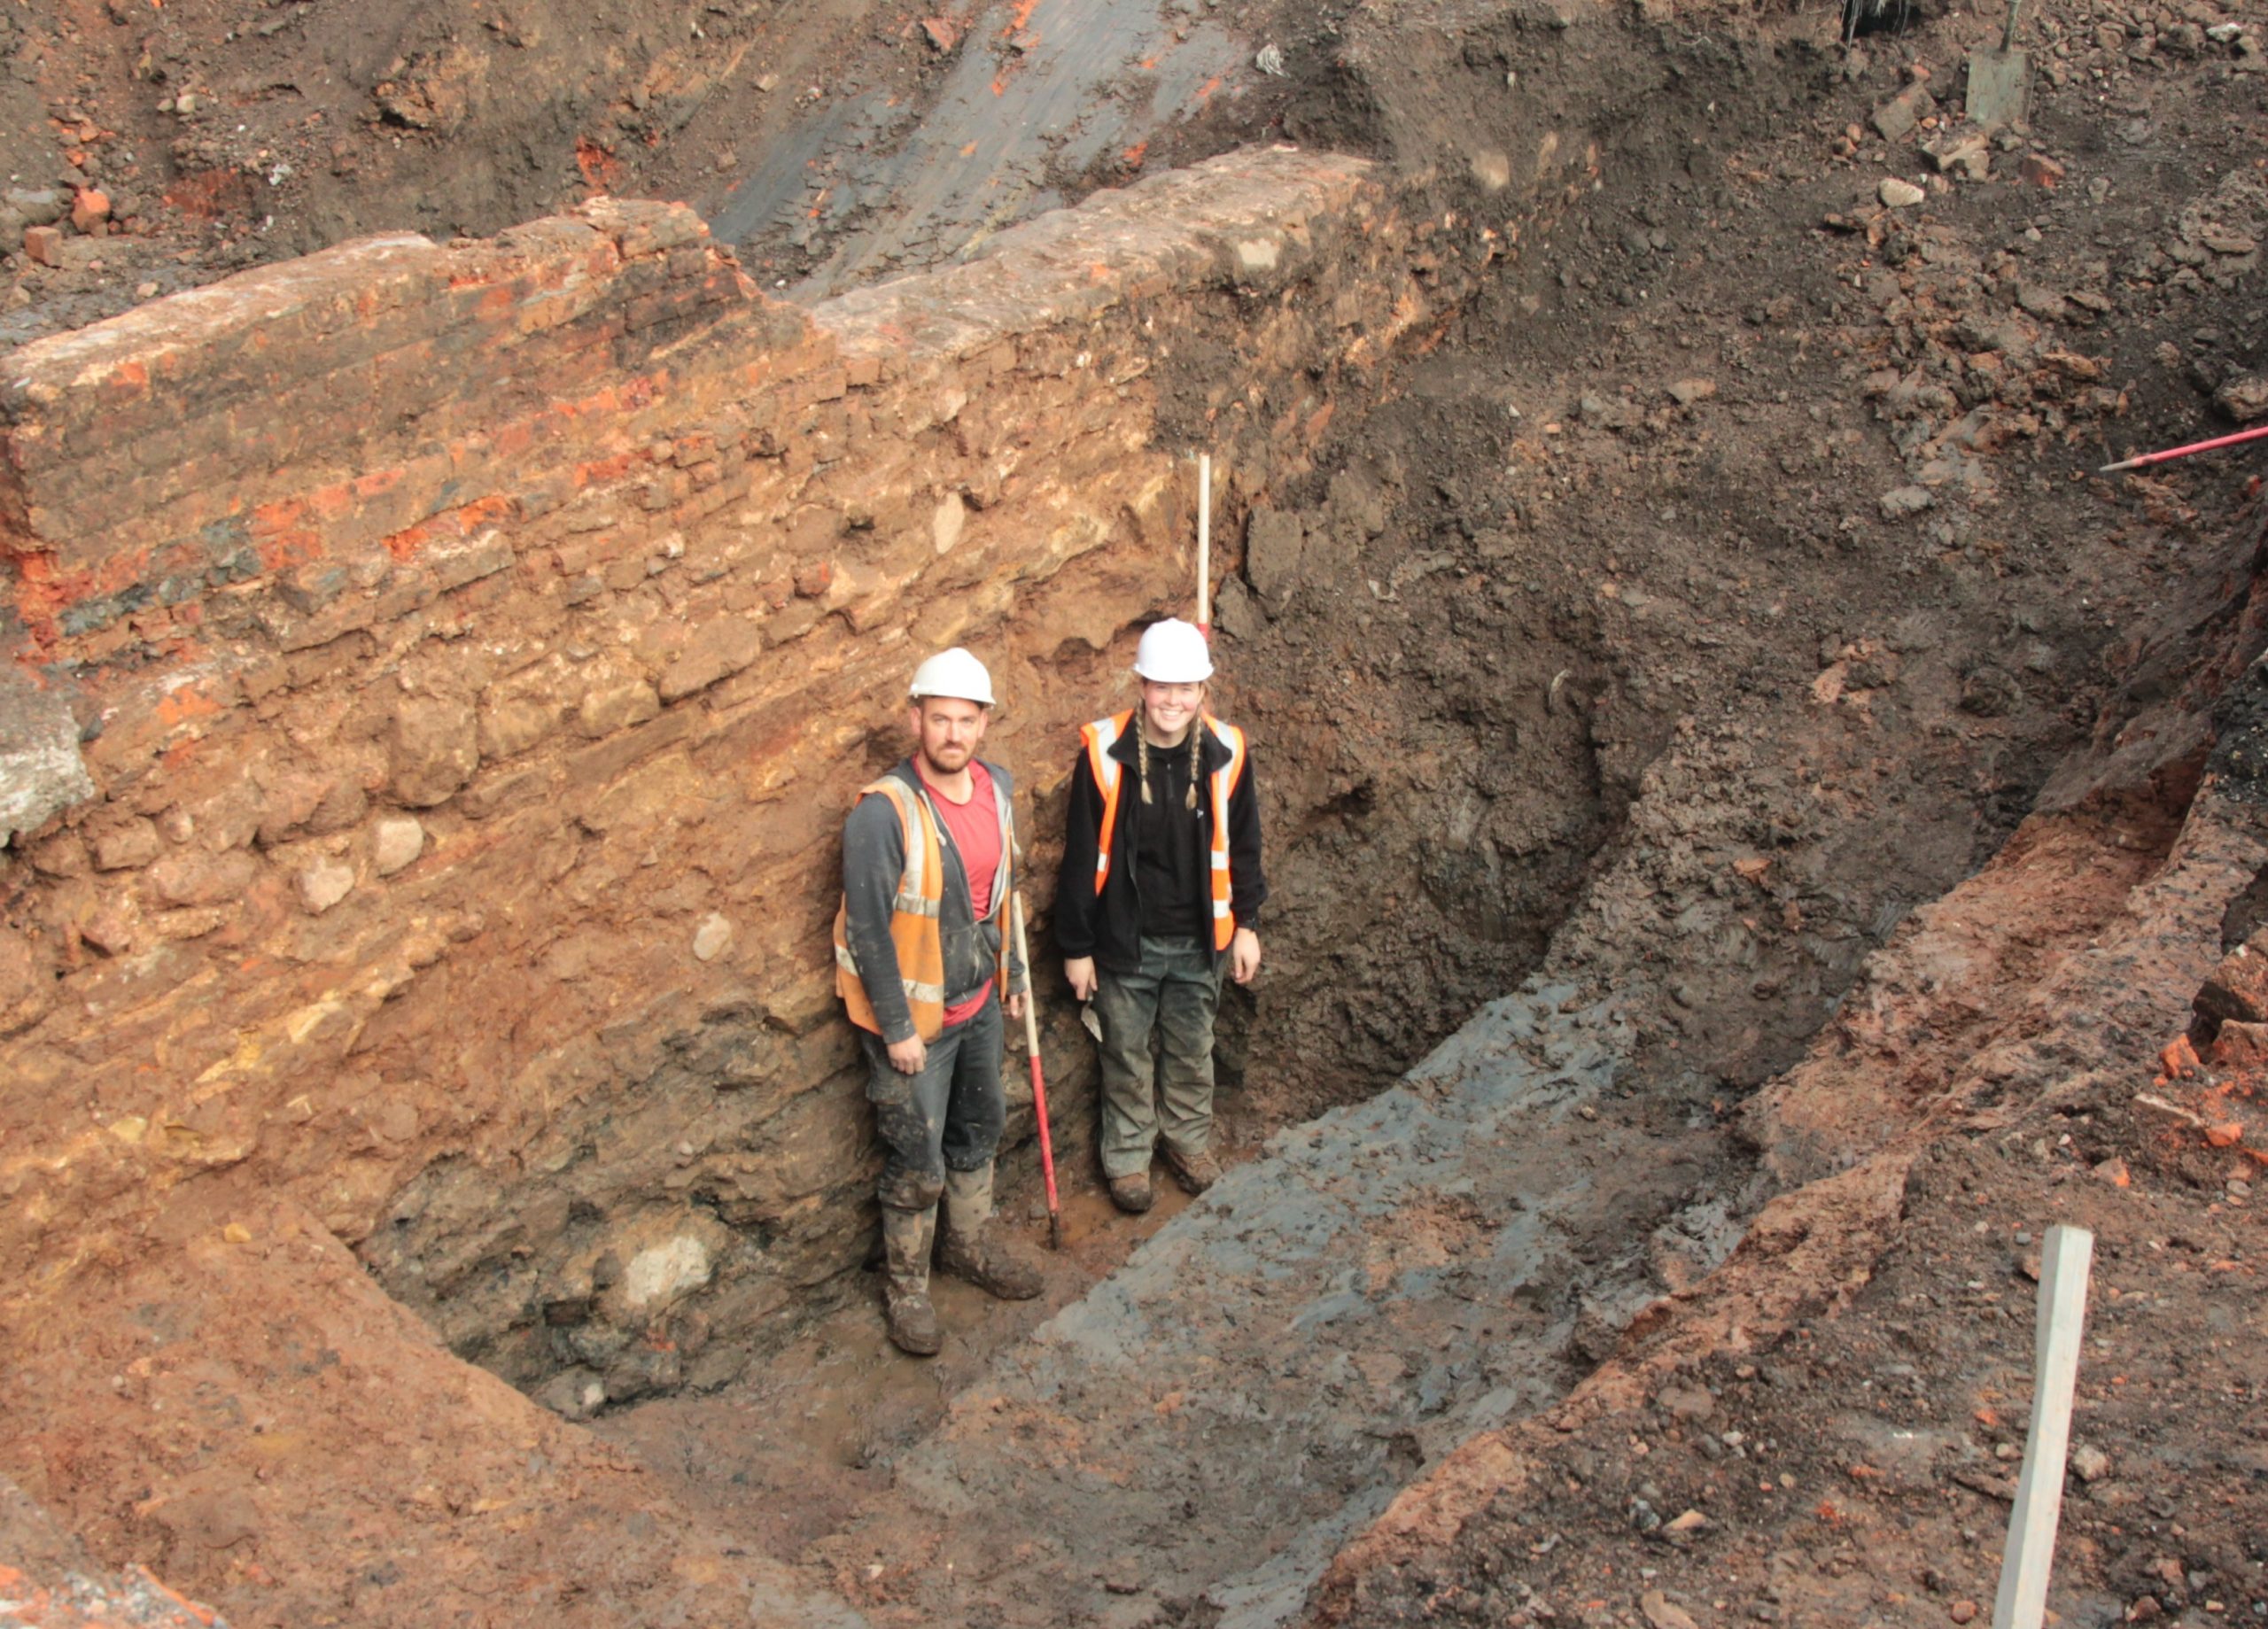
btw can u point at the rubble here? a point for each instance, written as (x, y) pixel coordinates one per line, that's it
(1900, 117)
(2243, 396)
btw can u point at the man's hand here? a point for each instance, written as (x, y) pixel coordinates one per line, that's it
(1016, 1005)
(1081, 971)
(1244, 956)
(907, 1056)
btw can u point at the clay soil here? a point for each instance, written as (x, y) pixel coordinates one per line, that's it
(1715, 611)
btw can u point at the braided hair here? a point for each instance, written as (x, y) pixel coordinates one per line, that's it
(1196, 756)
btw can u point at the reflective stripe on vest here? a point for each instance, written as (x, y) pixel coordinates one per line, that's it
(914, 929)
(1224, 780)
(1099, 737)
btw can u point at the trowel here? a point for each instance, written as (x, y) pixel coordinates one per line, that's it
(2000, 81)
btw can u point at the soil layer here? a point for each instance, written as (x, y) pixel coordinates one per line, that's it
(1712, 631)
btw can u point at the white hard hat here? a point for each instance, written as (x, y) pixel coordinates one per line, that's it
(954, 674)
(1173, 652)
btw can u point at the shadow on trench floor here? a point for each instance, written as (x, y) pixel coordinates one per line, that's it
(791, 1452)
(1203, 1427)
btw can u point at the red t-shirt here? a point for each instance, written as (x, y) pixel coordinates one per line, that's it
(974, 827)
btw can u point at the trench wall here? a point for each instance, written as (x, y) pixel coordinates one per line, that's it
(436, 675)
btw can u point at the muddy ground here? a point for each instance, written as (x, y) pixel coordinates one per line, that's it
(1716, 591)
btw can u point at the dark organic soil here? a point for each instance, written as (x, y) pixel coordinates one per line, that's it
(1559, 631)
(1722, 583)
(1860, 1469)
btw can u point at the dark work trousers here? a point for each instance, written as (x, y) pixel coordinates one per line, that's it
(1173, 995)
(949, 1115)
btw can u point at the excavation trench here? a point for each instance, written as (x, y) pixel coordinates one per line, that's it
(1525, 710)
(1209, 1422)
(470, 1047)
(1547, 706)
(428, 861)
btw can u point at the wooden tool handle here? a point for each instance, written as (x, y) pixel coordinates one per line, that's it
(1023, 954)
(1205, 540)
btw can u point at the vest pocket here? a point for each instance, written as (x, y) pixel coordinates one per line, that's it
(972, 959)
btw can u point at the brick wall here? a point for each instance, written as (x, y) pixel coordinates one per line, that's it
(472, 650)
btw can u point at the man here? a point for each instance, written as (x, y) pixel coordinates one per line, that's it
(1160, 895)
(923, 966)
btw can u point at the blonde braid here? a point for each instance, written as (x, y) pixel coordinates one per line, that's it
(1196, 758)
(1142, 754)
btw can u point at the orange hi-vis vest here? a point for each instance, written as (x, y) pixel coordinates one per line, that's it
(1101, 737)
(913, 924)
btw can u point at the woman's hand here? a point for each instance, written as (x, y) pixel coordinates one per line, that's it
(1244, 956)
(1081, 971)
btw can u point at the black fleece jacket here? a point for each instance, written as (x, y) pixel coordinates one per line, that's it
(1108, 927)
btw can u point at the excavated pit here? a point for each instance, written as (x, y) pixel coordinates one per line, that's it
(1653, 573)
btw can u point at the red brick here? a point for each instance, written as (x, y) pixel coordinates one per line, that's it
(90, 209)
(289, 548)
(2039, 170)
(553, 438)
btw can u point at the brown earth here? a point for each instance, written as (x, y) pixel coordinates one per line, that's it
(1714, 611)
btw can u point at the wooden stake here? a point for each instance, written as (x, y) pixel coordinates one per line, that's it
(2063, 1263)
(1204, 541)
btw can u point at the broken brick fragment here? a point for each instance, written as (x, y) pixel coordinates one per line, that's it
(2037, 169)
(90, 208)
(2239, 1047)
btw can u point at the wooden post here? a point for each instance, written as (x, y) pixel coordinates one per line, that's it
(1204, 541)
(2063, 1261)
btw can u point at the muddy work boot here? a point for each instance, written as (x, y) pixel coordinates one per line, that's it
(906, 1238)
(1131, 1194)
(1196, 1172)
(974, 1247)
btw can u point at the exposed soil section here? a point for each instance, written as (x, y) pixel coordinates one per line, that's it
(1663, 616)
(1627, 504)
(254, 1383)
(1711, 633)
(822, 137)
(1826, 1429)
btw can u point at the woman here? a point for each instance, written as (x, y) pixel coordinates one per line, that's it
(1161, 890)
